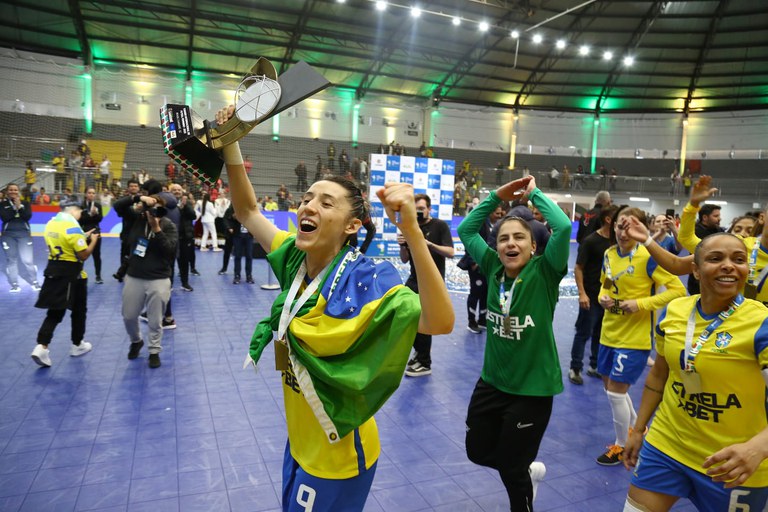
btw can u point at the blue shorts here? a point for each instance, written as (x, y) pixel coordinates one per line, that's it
(303, 492)
(657, 472)
(621, 364)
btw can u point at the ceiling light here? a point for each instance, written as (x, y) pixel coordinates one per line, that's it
(629, 60)
(584, 50)
(607, 55)
(515, 34)
(415, 12)
(560, 44)
(340, 1)
(381, 5)
(483, 26)
(537, 38)
(721, 203)
(640, 199)
(456, 21)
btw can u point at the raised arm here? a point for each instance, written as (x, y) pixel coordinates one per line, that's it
(243, 198)
(559, 243)
(670, 262)
(699, 193)
(436, 309)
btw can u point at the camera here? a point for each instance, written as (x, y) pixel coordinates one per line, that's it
(157, 211)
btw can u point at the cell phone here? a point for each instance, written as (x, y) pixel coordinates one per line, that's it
(670, 212)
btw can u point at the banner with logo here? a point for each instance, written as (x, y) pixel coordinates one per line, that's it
(431, 176)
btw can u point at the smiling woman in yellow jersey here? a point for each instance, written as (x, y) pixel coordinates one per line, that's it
(708, 390)
(629, 295)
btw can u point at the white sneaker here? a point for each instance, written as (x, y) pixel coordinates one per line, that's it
(41, 356)
(537, 470)
(83, 348)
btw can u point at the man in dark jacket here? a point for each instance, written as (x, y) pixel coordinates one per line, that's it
(132, 189)
(243, 245)
(186, 229)
(17, 238)
(90, 218)
(152, 241)
(591, 220)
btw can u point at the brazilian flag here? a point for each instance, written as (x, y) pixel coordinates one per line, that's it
(349, 343)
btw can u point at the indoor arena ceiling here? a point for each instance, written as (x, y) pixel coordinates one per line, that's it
(666, 56)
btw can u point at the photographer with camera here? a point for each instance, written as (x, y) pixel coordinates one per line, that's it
(152, 240)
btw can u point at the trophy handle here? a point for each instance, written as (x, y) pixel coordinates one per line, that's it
(263, 72)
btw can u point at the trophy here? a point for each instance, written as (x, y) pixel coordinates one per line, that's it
(194, 142)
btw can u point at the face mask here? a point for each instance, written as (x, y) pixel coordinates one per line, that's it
(420, 216)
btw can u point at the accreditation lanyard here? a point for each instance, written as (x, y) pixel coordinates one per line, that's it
(505, 301)
(629, 270)
(757, 283)
(692, 348)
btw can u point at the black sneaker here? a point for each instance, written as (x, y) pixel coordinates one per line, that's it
(133, 352)
(473, 327)
(592, 372)
(575, 377)
(118, 277)
(154, 360)
(187, 288)
(612, 457)
(169, 324)
(194, 272)
(250, 280)
(99, 280)
(411, 362)
(236, 280)
(418, 370)
(222, 272)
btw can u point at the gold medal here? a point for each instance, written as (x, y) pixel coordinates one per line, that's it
(281, 355)
(607, 284)
(507, 325)
(691, 382)
(750, 291)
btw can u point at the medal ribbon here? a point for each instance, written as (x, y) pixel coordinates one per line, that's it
(693, 348)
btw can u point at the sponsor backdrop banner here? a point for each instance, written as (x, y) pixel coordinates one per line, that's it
(431, 176)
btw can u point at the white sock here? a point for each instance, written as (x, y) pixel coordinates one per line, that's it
(632, 413)
(621, 415)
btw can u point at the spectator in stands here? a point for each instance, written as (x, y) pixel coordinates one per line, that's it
(579, 181)
(170, 170)
(423, 149)
(363, 176)
(687, 181)
(30, 178)
(105, 169)
(43, 198)
(565, 178)
(331, 152)
(301, 175)
(82, 149)
(318, 169)
(612, 180)
(554, 174)
(60, 178)
(343, 162)
(17, 239)
(247, 164)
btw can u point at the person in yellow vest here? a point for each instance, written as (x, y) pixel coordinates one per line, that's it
(66, 284)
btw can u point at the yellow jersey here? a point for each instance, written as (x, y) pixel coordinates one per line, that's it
(732, 405)
(634, 276)
(309, 442)
(64, 238)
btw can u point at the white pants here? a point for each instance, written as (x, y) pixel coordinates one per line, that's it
(209, 228)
